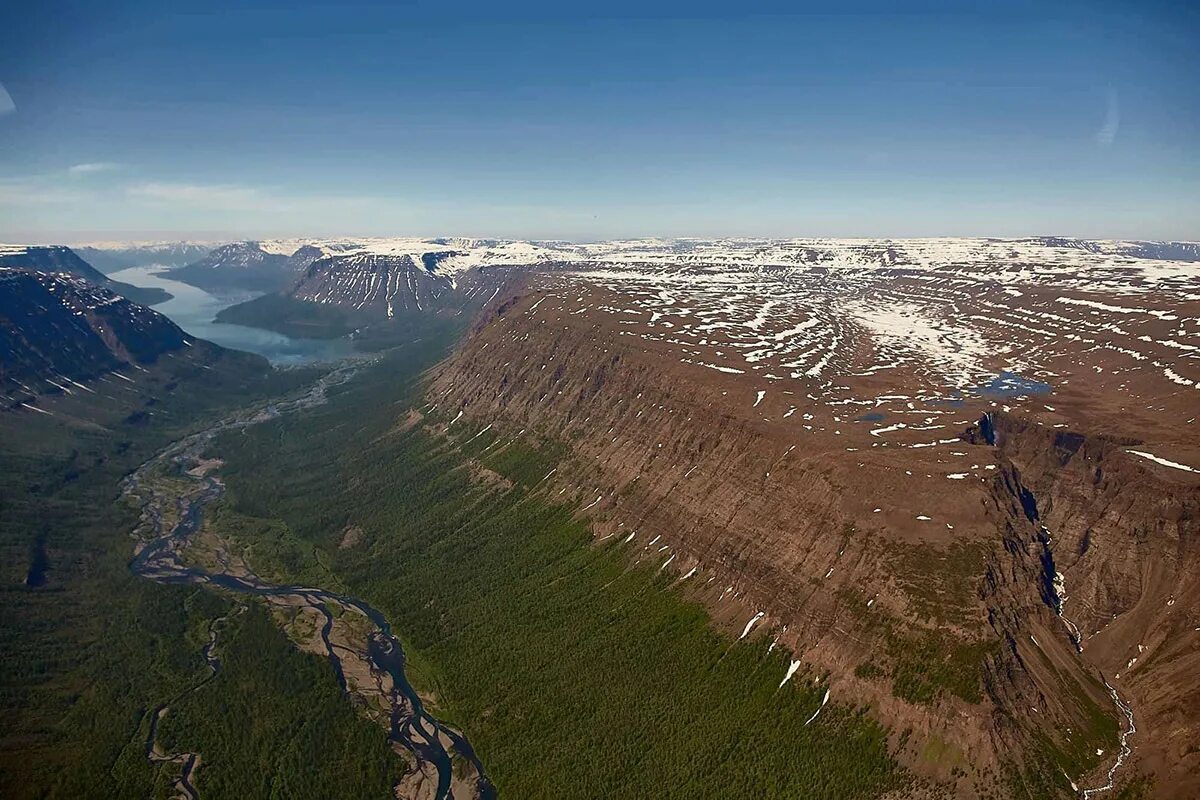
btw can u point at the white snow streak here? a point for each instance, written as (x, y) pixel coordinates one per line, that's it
(791, 670)
(824, 700)
(1164, 462)
(753, 621)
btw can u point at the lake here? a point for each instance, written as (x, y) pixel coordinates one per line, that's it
(194, 309)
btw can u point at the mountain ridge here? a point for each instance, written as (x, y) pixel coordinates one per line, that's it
(59, 331)
(113, 256)
(60, 258)
(355, 275)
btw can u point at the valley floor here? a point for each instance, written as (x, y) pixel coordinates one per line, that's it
(573, 670)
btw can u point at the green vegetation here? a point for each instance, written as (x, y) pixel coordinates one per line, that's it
(933, 662)
(291, 732)
(938, 751)
(869, 670)
(277, 554)
(1137, 789)
(1040, 775)
(524, 462)
(1071, 752)
(942, 585)
(923, 664)
(143, 295)
(86, 655)
(573, 673)
(286, 315)
(1043, 776)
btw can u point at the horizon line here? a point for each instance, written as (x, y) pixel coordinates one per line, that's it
(207, 239)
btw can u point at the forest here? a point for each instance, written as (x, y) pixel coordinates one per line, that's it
(87, 650)
(574, 671)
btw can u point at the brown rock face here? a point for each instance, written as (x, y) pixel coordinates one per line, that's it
(848, 461)
(1121, 563)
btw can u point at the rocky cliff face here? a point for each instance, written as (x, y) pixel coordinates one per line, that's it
(771, 529)
(807, 449)
(1116, 541)
(58, 331)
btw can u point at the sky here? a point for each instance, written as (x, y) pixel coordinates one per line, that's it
(558, 120)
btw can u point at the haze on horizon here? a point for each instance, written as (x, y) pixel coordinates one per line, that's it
(535, 120)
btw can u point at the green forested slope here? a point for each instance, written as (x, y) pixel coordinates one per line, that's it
(573, 673)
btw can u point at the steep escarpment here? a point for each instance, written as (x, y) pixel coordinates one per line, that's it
(771, 528)
(1049, 704)
(932, 579)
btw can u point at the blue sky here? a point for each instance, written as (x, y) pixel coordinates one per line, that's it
(560, 120)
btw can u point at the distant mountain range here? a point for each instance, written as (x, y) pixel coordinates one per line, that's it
(246, 266)
(113, 256)
(58, 258)
(369, 276)
(283, 264)
(373, 279)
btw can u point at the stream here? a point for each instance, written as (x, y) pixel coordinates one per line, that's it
(1059, 597)
(158, 556)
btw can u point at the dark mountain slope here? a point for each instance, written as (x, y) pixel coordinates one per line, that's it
(58, 258)
(241, 266)
(336, 295)
(57, 329)
(380, 285)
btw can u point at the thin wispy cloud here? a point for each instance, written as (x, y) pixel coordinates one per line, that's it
(7, 105)
(92, 167)
(24, 192)
(224, 196)
(236, 197)
(1112, 121)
